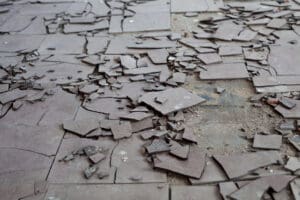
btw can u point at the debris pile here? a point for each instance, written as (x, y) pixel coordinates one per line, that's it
(87, 105)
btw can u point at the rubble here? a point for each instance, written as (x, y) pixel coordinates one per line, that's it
(118, 92)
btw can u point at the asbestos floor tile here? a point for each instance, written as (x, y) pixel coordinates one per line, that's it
(131, 164)
(192, 167)
(40, 139)
(72, 171)
(289, 113)
(96, 44)
(225, 71)
(195, 192)
(62, 44)
(284, 65)
(177, 99)
(157, 21)
(267, 141)
(19, 165)
(226, 189)
(61, 73)
(239, 164)
(75, 28)
(16, 43)
(178, 6)
(212, 173)
(261, 185)
(111, 192)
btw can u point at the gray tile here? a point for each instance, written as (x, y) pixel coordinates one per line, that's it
(111, 192)
(72, 171)
(195, 192)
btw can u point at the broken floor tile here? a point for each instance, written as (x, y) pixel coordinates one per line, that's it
(256, 54)
(75, 28)
(40, 139)
(287, 125)
(144, 124)
(239, 164)
(189, 135)
(12, 95)
(246, 35)
(19, 165)
(227, 30)
(267, 141)
(290, 113)
(192, 167)
(59, 73)
(128, 62)
(179, 150)
(90, 171)
(276, 23)
(225, 71)
(210, 58)
(295, 141)
(195, 192)
(295, 187)
(131, 164)
(256, 189)
(282, 64)
(158, 56)
(227, 188)
(228, 50)
(62, 44)
(92, 60)
(177, 99)
(284, 194)
(157, 146)
(72, 172)
(114, 192)
(115, 24)
(212, 173)
(96, 44)
(88, 89)
(137, 116)
(121, 130)
(81, 127)
(178, 6)
(293, 164)
(107, 106)
(155, 22)
(287, 103)
(179, 77)
(16, 23)
(17, 43)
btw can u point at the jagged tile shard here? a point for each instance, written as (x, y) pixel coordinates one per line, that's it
(267, 141)
(81, 127)
(176, 99)
(237, 165)
(192, 167)
(225, 71)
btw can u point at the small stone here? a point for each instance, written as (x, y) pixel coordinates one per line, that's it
(287, 103)
(97, 158)
(102, 175)
(161, 100)
(90, 150)
(68, 158)
(287, 125)
(17, 105)
(90, 171)
(220, 90)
